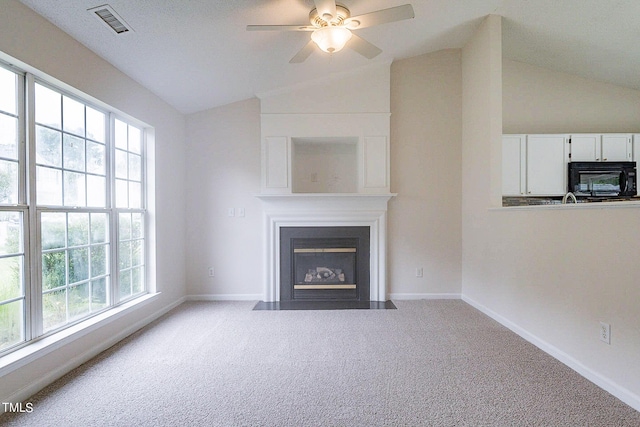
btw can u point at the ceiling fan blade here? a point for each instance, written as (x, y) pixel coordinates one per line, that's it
(363, 47)
(383, 16)
(280, 28)
(326, 7)
(304, 53)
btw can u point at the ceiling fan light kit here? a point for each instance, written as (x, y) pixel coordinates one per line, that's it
(331, 39)
(331, 26)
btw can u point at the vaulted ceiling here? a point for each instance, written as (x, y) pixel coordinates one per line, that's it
(197, 54)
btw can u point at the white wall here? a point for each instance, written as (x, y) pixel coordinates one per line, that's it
(31, 39)
(223, 153)
(550, 274)
(425, 217)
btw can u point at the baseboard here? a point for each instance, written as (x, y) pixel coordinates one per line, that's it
(32, 388)
(601, 381)
(408, 296)
(225, 297)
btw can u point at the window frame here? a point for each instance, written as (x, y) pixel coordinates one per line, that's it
(32, 286)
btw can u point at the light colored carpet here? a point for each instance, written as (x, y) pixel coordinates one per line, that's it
(429, 363)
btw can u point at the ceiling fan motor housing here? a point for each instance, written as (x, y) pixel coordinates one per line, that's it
(318, 21)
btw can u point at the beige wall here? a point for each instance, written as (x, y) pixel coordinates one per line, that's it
(35, 42)
(424, 219)
(552, 274)
(538, 100)
(223, 154)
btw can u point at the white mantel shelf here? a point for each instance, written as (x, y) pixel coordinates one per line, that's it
(324, 197)
(325, 210)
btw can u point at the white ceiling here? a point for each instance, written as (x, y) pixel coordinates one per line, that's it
(197, 54)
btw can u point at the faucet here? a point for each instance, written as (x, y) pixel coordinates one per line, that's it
(567, 196)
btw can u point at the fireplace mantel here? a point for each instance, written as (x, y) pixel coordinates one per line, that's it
(325, 210)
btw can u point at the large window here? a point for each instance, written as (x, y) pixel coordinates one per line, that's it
(72, 191)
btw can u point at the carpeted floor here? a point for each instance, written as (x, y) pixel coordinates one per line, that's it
(428, 363)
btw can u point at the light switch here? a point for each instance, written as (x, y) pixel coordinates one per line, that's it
(231, 212)
(240, 211)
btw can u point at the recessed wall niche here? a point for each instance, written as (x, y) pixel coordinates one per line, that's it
(324, 165)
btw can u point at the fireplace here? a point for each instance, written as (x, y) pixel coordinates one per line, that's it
(324, 263)
(326, 211)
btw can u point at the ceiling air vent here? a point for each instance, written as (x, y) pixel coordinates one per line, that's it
(110, 17)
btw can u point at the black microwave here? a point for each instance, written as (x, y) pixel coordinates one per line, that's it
(602, 179)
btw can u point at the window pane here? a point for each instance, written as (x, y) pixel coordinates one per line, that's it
(135, 168)
(99, 293)
(125, 255)
(8, 86)
(74, 189)
(11, 324)
(53, 227)
(78, 229)
(49, 183)
(99, 228)
(73, 153)
(79, 298)
(54, 309)
(124, 223)
(136, 253)
(121, 164)
(95, 158)
(122, 194)
(48, 147)
(10, 233)
(96, 191)
(73, 116)
(135, 195)
(134, 139)
(137, 280)
(125, 284)
(78, 265)
(48, 107)
(11, 278)
(95, 124)
(53, 270)
(98, 260)
(8, 137)
(121, 134)
(137, 226)
(8, 182)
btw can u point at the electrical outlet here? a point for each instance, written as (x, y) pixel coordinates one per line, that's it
(419, 272)
(605, 332)
(212, 272)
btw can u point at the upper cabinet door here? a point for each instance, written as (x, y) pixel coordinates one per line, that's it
(513, 165)
(616, 148)
(546, 165)
(585, 147)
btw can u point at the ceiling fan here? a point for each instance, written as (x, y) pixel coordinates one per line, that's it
(332, 25)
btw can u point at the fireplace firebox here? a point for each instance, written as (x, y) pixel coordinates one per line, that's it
(324, 263)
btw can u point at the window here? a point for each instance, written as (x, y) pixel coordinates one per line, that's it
(88, 191)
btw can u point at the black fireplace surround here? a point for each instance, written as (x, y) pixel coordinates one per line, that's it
(324, 263)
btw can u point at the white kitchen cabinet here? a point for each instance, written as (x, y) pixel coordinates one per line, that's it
(534, 165)
(636, 148)
(601, 147)
(514, 160)
(616, 147)
(546, 165)
(586, 147)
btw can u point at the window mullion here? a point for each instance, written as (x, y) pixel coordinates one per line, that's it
(34, 297)
(111, 198)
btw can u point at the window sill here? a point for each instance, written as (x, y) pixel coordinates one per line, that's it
(41, 347)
